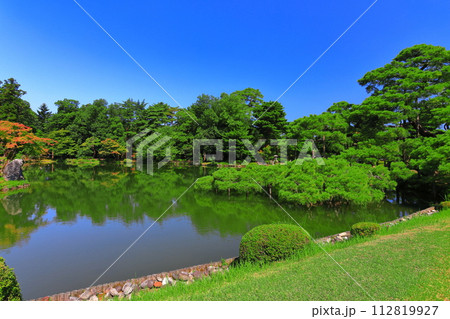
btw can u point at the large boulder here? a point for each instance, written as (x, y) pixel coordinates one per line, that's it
(13, 170)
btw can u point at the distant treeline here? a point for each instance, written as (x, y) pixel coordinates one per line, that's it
(402, 124)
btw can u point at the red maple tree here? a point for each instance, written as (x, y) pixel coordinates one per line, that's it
(16, 137)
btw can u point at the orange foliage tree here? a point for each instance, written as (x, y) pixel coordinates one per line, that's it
(17, 138)
(111, 148)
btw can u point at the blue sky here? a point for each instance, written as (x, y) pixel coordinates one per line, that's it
(55, 51)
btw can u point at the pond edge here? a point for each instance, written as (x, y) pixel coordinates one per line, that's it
(125, 288)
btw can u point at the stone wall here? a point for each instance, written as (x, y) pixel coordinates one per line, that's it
(346, 235)
(124, 289)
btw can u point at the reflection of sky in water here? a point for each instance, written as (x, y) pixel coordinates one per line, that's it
(61, 257)
(50, 215)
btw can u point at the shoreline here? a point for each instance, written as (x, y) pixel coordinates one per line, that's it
(125, 288)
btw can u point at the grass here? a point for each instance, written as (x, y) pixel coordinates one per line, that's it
(408, 261)
(8, 188)
(11, 184)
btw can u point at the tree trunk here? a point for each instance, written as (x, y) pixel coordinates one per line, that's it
(323, 146)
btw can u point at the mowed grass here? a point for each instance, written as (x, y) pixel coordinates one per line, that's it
(408, 261)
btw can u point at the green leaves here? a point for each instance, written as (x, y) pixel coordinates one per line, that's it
(309, 184)
(12, 107)
(268, 243)
(408, 91)
(9, 287)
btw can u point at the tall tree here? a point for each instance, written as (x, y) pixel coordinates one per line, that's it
(412, 91)
(66, 112)
(12, 107)
(328, 130)
(16, 138)
(270, 121)
(251, 97)
(43, 115)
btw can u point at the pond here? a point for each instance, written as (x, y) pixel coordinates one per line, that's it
(65, 230)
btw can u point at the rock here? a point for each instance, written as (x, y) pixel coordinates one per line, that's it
(184, 276)
(127, 290)
(86, 294)
(157, 284)
(13, 170)
(93, 298)
(165, 281)
(144, 284)
(172, 282)
(199, 274)
(72, 298)
(150, 283)
(126, 285)
(121, 295)
(129, 287)
(113, 292)
(159, 278)
(213, 270)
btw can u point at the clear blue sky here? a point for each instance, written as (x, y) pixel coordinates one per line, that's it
(192, 47)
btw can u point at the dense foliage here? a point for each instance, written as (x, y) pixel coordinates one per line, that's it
(267, 243)
(364, 229)
(308, 184)
(100, 193)
(9, 287)
(16, 138)
(402, 126)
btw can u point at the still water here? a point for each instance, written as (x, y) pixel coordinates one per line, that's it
(61, 233)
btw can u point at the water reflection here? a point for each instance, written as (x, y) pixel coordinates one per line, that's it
(64, 230)
(114, 192)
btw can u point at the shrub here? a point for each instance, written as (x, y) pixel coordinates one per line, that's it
(205, 183)
(364, 229)
(445, 204)
(9, 287)
(271, 242)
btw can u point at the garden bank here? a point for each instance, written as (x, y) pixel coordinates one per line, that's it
(125, 288)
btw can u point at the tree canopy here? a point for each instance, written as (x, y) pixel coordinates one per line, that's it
(402, 126)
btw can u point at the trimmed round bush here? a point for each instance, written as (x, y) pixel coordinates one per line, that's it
(9, 287)
(364, 229)
(267, 243)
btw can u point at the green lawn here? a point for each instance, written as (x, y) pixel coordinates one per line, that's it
(409, 261)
